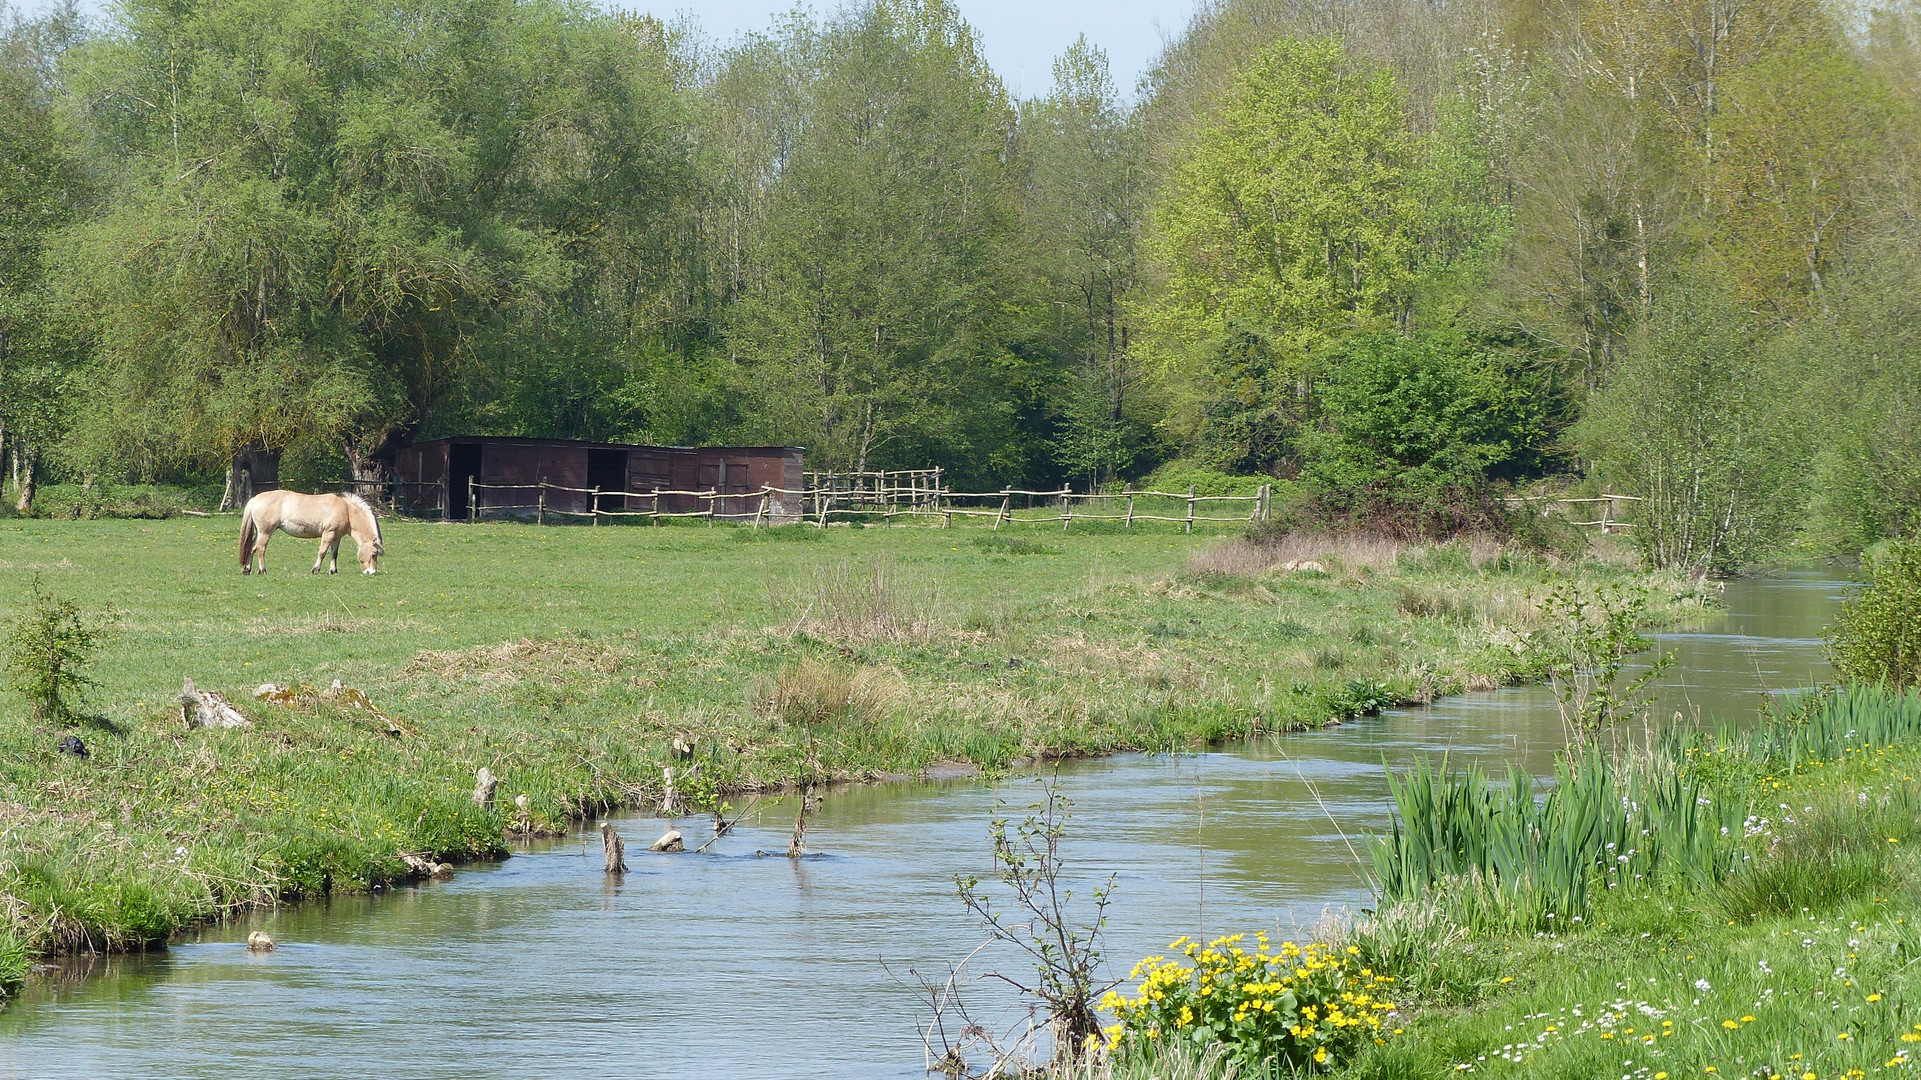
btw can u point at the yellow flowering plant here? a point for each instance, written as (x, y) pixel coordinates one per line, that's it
(1305, 1007)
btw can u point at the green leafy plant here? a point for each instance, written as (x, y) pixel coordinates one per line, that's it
(1040, 921)
(1876, 638)
(1593, 638)
(48, 650)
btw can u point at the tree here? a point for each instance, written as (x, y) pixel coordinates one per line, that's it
(876, 322)
(322, 214)
(1703, 426)
(1085, 202)
(43, 185)
(1413, 428)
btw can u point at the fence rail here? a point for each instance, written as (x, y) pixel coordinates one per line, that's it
(1610, 514)
(820, 506)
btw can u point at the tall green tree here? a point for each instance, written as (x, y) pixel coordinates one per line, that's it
(877, 324)
(1085, 204)
(44, 184)
(323, 213)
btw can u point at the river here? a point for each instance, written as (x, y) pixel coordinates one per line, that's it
(732, 965)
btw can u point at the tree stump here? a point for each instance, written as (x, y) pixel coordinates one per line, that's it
(484, 782)
(258, 941)
(613, 848)
(669, 841)
(204, 708)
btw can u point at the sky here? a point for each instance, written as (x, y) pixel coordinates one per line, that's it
(1021, 37)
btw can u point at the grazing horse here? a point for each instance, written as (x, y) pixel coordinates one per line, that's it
(328, 517)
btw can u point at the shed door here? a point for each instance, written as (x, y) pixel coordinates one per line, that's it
(463, 464)
(607, 470)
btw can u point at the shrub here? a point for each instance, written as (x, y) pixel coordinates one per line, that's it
(47, 654)
(1301, 1007)
(1876, 638)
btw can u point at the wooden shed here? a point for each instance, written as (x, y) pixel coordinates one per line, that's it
(464, 479)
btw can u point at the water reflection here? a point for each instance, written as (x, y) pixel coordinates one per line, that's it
(730, 964)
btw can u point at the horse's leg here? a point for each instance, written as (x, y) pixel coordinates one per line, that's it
(260, 550)
(333, 555)
(326, 537)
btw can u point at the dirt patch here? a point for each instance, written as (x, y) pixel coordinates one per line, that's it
(510, 662)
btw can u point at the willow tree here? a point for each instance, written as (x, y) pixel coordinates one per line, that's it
(323, 211)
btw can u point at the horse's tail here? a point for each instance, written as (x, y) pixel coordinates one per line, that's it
(248, 532)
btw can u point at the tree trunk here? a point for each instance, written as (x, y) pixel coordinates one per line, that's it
(25, 478)
(227, 496)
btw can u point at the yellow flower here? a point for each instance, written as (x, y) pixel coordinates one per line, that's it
(1320, 1056)
(1747, 1019)
(1874, 997)
(1729, 1024)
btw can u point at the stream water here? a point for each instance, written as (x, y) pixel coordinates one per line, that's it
(733, 965)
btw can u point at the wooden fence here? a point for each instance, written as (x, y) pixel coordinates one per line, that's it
(1608, 516)
(934, 506)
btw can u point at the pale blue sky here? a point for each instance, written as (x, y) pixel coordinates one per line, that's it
(1021, 37)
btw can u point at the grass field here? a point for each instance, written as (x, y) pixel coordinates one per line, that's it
(567, 660)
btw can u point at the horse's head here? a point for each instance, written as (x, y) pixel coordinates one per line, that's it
(366, 531)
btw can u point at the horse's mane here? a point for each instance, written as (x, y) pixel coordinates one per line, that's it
(371, 516)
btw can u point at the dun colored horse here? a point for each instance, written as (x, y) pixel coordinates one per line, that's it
(328, 517)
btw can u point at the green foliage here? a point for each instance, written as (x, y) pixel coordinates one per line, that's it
(1182, 473)
(48, 650)
(1412, 429)
(1876, 637)
(16, 959)
(1708, 430)
(1592, 637)
(1498, 858)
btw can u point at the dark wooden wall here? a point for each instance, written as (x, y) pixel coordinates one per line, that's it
(739, 472)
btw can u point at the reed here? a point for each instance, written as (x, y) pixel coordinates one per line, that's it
(1499, 858)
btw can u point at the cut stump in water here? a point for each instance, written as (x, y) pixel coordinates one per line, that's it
(614, 848)
(258, 941)
(670, 840)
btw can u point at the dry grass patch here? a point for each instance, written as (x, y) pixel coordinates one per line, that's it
(852, 602)
(815, 691)
(1251, 558)
(506, 664)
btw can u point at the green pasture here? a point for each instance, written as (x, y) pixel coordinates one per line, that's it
(568, 660)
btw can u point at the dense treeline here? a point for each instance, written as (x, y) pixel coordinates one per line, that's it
(1392, 251)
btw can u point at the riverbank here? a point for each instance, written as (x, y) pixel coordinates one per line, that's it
(567, 661)
(1801, 962)
(1784, 944)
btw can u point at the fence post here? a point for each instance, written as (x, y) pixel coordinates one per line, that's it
(1130, 506)
(540, 503)
(761, 511)
(473, 504)
(593, 504)
(713, 503)
(440, 490)
(1007, 506)
(1067, 507)
(936, 496)
(1190, 508)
